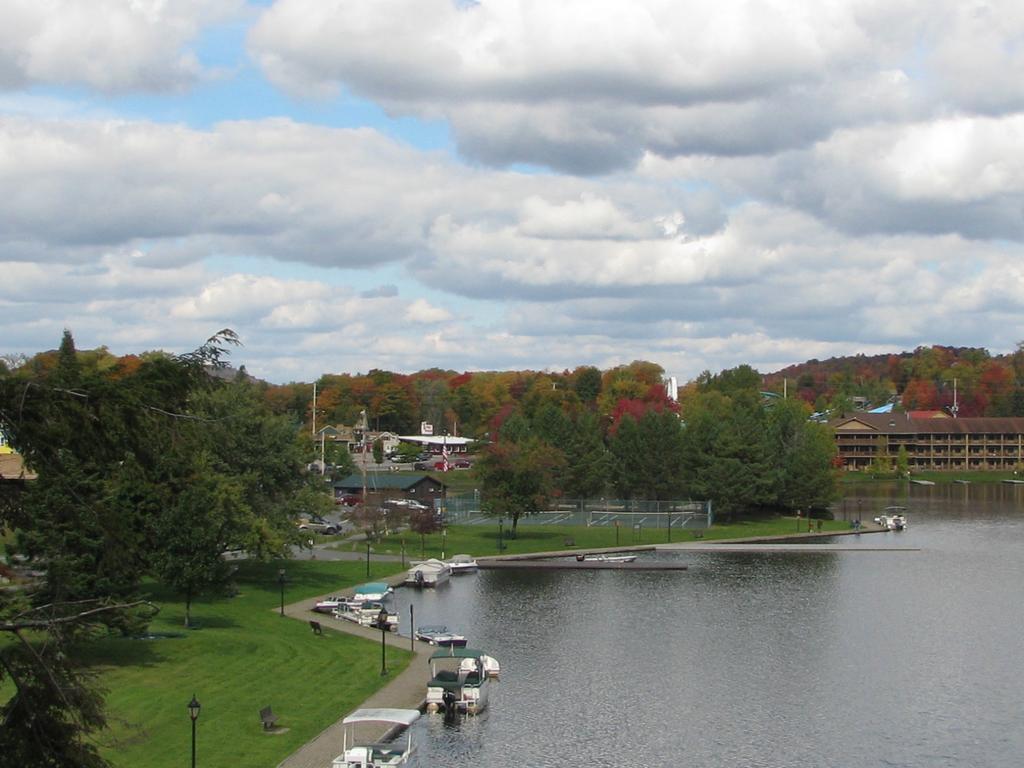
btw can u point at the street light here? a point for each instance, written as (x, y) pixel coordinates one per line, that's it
(501, 533)
(367, 556)
(193, 712)
(444, 541)
(280, 580)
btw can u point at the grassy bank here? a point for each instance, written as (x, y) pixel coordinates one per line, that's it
(243, 657)
(862, 478)
(480, 540)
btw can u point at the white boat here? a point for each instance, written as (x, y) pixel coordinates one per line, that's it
(606, 558)
(359, 754)
(368, 613)
(330, 604)
(892, 518)
(436, 634)
(462, 564)
(373, 590)
(459, 681)
(429, 573)
(491, 667)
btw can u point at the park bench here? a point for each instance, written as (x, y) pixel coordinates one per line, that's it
(268, 718)
(315, 626)
(570, 542)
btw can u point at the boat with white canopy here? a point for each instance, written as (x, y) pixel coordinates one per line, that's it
(364, 754)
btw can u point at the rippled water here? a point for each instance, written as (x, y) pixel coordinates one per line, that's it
(817, 659)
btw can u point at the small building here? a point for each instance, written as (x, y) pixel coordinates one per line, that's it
(418, 487)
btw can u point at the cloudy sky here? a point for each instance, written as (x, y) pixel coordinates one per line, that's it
(401, 184)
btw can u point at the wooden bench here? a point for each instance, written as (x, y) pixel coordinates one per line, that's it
(268, 718)
(315, 626)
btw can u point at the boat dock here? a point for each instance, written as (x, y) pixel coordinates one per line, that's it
(577, 565)
(764, 548)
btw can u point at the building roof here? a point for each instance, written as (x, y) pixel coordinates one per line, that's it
(901, 423)
(928, 415)
(390, 481)
(451, 440)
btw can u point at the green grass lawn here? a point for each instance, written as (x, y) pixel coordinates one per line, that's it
(859, 478)
(243, 657)
(480, 540)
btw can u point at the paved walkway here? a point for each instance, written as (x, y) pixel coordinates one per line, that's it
(406, 691)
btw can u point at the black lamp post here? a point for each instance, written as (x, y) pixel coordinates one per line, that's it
(280, 580)
(193, 712)
(382, 622)
(412, 630)
(367, 555)
(501, 533)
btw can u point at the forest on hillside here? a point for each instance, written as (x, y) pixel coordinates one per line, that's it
(929, 378)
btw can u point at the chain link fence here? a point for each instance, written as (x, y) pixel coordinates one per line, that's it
(465, 509)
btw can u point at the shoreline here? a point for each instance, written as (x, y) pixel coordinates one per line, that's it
(407, 690)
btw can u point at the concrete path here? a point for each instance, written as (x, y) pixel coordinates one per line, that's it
(406, 691)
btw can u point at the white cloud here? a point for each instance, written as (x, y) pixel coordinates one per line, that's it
(589, 86)
(422, 311)
(110, 45)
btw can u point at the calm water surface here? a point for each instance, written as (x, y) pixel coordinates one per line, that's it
(833, 659)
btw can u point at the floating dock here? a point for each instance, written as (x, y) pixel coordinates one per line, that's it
(553, 564)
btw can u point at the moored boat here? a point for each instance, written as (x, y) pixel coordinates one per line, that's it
(437, 634)
(373, 590)
(459, 681)
(429, 573)
(601, 558)
(368, 613)
(361, 754)
(462, 564)
(893, 518)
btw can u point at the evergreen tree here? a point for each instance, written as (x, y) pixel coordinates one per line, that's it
(588, 461)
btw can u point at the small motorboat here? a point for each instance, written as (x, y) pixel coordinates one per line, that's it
(605, 558)
(369, 613)
(462, 564)
(360, 754)
(373, 590)
(893, 518)
(437, 634)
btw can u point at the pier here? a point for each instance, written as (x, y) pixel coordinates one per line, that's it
(577, 565)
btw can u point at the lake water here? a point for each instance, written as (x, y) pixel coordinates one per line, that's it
(819, 659)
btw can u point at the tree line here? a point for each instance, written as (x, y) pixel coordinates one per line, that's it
(937, 377)
(723, 441)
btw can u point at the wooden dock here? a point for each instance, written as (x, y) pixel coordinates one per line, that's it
(552, 564)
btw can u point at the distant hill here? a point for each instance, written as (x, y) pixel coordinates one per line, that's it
(927, 378)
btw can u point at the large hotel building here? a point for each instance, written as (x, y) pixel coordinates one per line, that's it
(934, 443)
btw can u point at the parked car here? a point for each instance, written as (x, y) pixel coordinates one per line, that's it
(463, 464)
(315, 526)
(421, 466)
(349, 499)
